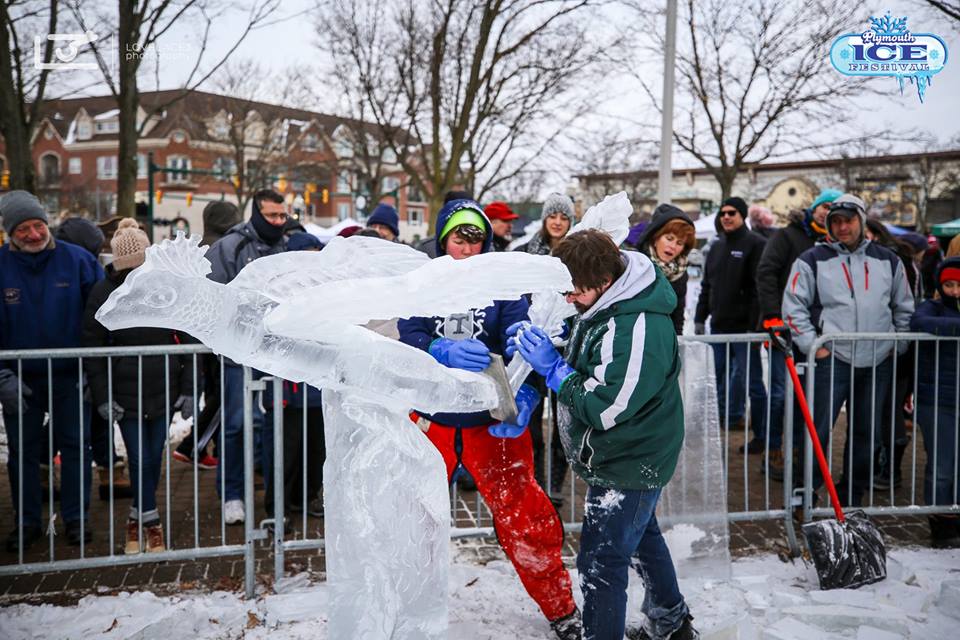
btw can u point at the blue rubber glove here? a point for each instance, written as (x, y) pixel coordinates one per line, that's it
(527, 401)
(469, 355)
(512, 345)
(536, 348)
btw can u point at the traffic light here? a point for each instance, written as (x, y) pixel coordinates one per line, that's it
(5, 180)
(159, 196)
(325, 196)
(189, 199)
(281, 184)
(306, 197)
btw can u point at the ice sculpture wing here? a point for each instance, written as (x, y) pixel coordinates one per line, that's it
(283, 276)
(440, 287)
(612, 214)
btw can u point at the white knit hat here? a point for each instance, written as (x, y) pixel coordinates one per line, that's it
(129, 245)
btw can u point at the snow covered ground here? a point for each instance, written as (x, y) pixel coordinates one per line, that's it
(765, 600)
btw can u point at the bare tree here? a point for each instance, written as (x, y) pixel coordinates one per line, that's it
(463, 91)
(754, 81)
(22, 86)
(951, 9)
(140, 25)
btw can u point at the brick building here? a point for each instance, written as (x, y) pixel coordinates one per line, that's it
(315, 156)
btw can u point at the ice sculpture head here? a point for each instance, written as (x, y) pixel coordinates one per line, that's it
(153, 294)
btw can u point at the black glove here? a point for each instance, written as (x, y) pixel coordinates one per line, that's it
(10, 387)
(184, 405)
(104, 411)
(699, 328)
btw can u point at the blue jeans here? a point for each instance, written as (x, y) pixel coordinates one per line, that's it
(231, 459)
(942, 476)
(735, 393)
(863, 434)
(778, 390)
(71, 437)
(150, 453)
(620, 525)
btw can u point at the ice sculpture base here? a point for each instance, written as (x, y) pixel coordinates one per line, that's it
(387, 523)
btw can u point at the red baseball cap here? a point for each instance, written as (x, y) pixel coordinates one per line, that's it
(499, 211)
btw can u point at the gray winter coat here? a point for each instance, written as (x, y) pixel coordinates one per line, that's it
(238, 247)
(834, 290)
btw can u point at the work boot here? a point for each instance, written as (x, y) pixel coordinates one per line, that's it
(569, 627)
(132, 545)
(881, 480)
(775, 462)
(684, 632)
(121, 483)
(754, 447)
(73, 532)
(154, 536)
(945, 532)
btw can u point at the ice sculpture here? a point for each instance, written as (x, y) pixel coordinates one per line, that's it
(693, 506)
(612, 214)
(387, 524)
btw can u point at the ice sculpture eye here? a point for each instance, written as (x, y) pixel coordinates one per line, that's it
(161, 297)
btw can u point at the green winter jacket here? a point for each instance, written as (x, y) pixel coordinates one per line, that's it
(620, 414)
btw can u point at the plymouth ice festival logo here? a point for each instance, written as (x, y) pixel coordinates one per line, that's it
(889, 49)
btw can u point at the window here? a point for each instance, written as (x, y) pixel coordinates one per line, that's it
(50, 167)
(309, 142)
(107, 167)
(178, 162)
(108, 126)
(343, 210)
(343, 182)
(415, 217)
(414, 194)
(391, 186)
(141, 165)
(84, 130)
(225, 166)
(76, 166)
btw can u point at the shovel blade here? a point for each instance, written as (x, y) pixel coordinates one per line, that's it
(847, 555)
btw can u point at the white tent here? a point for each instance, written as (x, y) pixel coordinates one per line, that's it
(705, 227)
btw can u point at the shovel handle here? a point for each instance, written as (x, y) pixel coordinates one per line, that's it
(811, 429)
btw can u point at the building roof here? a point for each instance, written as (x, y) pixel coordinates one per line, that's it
(189, 113)
(953, 154)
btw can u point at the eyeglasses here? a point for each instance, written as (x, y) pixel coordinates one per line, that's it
(728, 212)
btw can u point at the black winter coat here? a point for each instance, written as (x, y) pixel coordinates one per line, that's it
(124, 370)
(779, 254)
(728, 292)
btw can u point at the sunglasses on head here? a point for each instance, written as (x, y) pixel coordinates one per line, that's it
(729, 212)
(845, 206)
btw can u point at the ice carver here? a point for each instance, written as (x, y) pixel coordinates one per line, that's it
(621, 423)
(500, 457)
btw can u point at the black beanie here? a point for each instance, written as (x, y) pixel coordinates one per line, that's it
(737, 203)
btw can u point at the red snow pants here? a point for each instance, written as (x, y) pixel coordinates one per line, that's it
(527, 524)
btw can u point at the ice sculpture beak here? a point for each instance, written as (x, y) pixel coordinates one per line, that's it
(109, 315)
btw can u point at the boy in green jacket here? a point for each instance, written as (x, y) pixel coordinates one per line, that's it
(621, 422)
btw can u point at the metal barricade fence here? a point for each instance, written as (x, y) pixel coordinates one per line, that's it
(76, 456)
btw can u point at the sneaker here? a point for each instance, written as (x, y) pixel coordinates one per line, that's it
(314, 507)
(182, 457)
(73, 533)
(684, 632)
(208, 462)
(233, 512)
(132, 545)
(154, 535)
(754, 447)
(568, 627)
(30, 535)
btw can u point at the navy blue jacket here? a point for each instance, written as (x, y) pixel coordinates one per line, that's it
(44, 295)
(488, 325)
(941, 318)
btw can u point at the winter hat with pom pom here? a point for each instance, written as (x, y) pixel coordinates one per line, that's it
(129, 245)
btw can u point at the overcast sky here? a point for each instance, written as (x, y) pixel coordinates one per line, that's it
(292, 41)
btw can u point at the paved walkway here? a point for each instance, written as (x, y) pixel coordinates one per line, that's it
(180, 503)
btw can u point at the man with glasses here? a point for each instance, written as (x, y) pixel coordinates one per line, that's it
(728, 296)
(848, 284)
(243, 243)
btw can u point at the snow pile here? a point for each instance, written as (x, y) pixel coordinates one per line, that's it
(766, 599)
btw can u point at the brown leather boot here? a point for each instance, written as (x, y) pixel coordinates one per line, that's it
(154, 536)
(132, 546)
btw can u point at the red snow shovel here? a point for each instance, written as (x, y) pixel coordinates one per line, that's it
(848, 551)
